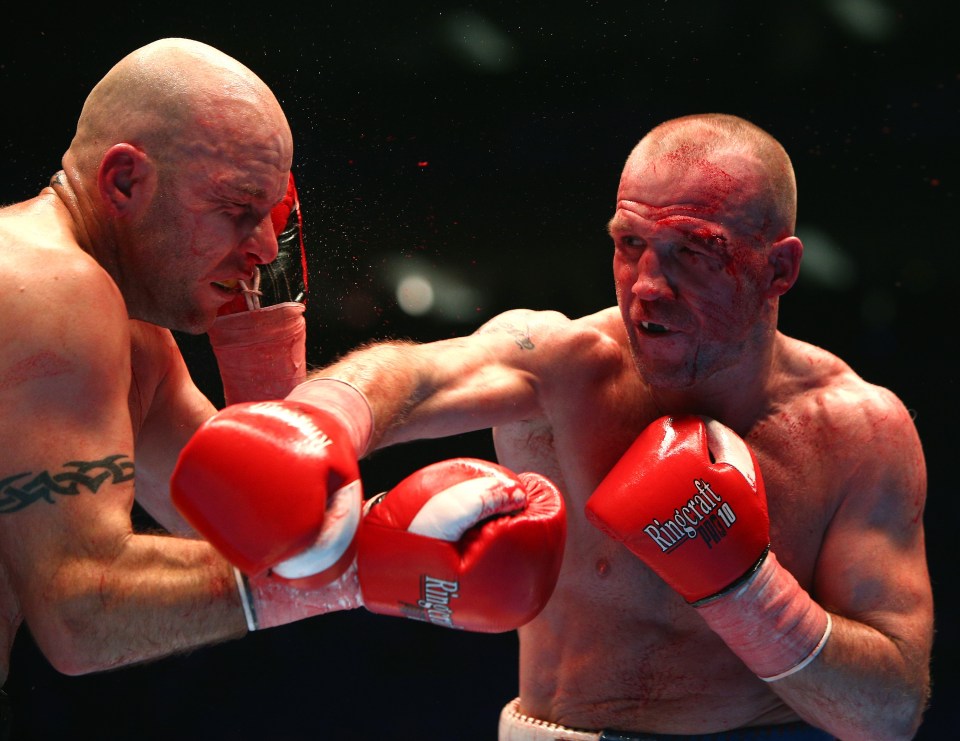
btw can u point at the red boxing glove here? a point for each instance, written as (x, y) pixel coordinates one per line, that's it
(463, 543)
(274, 486)
(259, 338)
(687, 498)
(265, 482)
(284, 279)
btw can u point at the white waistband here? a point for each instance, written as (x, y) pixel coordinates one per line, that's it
(515, 726)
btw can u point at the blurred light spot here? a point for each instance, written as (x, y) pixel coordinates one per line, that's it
(479, 42)
(824, 261)
(415, 295)
(423, 289)
(871, 20)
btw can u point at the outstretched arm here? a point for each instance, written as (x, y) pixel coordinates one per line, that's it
(453, 386)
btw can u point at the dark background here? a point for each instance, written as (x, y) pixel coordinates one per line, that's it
(481, 144)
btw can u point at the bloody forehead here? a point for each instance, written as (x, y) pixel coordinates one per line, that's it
(692, 160)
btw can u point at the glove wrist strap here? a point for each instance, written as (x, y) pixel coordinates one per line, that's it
(344, 401)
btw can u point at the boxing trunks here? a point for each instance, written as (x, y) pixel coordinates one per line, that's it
(515, 726)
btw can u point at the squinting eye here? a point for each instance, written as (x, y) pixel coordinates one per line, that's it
(635, 242)
(692, 255)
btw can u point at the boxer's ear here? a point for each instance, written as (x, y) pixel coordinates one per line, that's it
(784, 260)
(126, 179)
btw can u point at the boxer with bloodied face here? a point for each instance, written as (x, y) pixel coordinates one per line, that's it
(745, 554)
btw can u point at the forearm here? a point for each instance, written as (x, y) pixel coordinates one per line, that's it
(840, 675)
(158, 596)
(438, 389)
(394, 381)
(861, 687)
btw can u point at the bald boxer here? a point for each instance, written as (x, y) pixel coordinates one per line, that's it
(745, 556)
(164, 208)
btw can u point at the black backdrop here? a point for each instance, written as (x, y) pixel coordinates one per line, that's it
(482, 142)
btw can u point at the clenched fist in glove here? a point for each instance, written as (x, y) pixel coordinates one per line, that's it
(688, 499)
(274, 486)
(463, 543)
(259, 338)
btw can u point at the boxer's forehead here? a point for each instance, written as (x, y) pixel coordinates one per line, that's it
(674, 189)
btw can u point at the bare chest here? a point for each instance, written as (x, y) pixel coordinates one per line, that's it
(146, 366)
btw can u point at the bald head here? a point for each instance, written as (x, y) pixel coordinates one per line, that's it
(176, 98)
(698, 141)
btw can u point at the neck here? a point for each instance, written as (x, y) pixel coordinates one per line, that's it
(737, 396)
(87, 227)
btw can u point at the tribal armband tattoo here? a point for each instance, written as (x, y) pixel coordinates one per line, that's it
(23, 489)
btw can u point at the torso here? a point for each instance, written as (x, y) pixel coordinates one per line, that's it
(616, 647)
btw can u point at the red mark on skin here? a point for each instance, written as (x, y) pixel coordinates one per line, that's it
(41, 365)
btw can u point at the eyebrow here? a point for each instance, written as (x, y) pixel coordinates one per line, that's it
(252, 192)
(617, 224)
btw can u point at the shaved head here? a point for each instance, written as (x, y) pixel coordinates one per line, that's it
(703, 140)
(179, 155)
(174, 98)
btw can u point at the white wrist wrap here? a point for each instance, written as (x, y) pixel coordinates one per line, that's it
(813, 654)
(770, 622)
(246, 599)
(345, 402)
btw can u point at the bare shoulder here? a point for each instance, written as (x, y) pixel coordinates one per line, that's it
(61, 309)
(42, 258)
(867, 428)
(844, 398)
(556, 338)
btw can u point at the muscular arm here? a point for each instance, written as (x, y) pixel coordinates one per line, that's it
(453, 386)
(872, 679)
(94, 594)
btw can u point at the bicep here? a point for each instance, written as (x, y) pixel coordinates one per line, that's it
(66, 484)
(872, 567)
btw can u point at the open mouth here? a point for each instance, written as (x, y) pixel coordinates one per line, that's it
(653, 328)
(230, 286)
